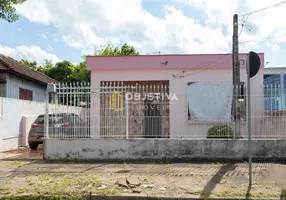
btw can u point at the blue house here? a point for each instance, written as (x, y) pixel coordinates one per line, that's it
(20, 82)
(274, 88)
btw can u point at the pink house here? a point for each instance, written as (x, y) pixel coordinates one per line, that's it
(173, 72)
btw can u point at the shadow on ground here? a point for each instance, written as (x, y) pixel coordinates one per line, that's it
(206, 192)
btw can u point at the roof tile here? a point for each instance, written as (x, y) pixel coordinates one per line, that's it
(10, 65)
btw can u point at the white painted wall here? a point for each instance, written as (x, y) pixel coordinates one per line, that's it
(1, 128)
(16, 117)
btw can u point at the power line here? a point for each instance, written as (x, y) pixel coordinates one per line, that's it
(262, 9)
(245, 16)
(203, 65)
(265, 38)
(244, 24)
(210, 64)
(152, 53)
(281, 43)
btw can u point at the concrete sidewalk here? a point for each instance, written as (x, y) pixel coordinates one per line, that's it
(23, 153)
(178, 180)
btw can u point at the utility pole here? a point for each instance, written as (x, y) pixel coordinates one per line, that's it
(235, 76)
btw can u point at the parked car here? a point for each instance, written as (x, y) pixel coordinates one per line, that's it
(61, 125)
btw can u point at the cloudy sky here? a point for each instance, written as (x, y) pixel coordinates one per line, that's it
(68, 29)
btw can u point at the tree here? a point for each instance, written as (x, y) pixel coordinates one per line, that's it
(8, 11)
(123, 51)
(46, 66)
(65, 71)
(80, 73)
(62, 71)
(33, 65)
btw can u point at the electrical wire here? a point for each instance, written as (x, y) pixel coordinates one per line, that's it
(244, 24)
(265, 38)
(203, 65)
(245, 16)
(262, 9)
(205, 69)
(281, 43)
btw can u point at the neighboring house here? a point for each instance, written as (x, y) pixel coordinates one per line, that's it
(178, 74)
(20, 82)
(275, 81)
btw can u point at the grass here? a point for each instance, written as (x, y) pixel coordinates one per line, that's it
(19, 164)
(21, 191)
(197, 180)
(78, 186)
(69, 186)
(5, 190)
(145, 178)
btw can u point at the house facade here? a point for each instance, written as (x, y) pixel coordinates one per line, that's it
(176, 72)
(17, 81)
(199, 88)
(22, 99)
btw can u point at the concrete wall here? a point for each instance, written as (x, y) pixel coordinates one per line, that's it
(16, 117)
(100, 149)
(179, 124)
(14, 83)
(1, 128)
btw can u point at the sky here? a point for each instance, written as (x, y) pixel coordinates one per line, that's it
(69, 29)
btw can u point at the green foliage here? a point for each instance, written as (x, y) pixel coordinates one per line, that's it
(220, 132)
(62, 71)
(65, 71)
(33, 65)
(123, 51)
(8, 11)
(80, 73)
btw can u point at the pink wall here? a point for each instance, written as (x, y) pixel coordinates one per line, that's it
(110, 69)
(188, 61)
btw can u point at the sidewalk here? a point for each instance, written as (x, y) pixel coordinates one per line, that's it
(149, 179)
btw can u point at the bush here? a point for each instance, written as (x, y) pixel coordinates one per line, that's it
(223, 131)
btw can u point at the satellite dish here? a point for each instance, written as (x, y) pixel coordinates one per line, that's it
(253, 61)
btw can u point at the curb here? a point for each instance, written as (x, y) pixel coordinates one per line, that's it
(130, 197)
(94, 197)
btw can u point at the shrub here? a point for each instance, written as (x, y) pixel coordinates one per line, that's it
(223, 131)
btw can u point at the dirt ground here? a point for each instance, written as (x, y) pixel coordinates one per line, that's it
(25, 176)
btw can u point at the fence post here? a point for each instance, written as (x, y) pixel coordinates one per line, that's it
(47, 116)
(282, 91)
(127, 118)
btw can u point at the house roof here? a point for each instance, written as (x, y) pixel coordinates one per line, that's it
(173, 61)
(9, 65)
